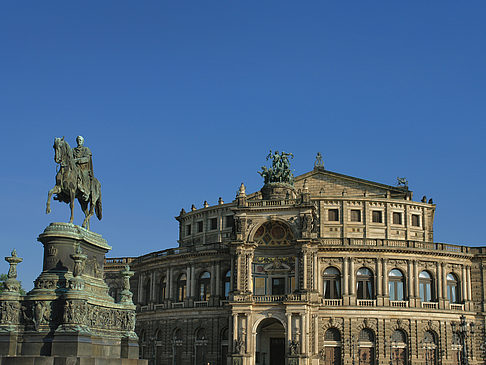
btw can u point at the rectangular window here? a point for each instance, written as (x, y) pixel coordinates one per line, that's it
(188, 230)
(377, 216)
(415, 220)
(278, 286)
(397, 218)
(230, 221)
(333, 215)
(259, 286)
(199, 227)
(355, 215)
(213, 223)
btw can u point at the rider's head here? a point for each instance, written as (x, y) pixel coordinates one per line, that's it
(80, 140)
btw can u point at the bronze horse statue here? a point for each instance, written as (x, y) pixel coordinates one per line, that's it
(67, 184)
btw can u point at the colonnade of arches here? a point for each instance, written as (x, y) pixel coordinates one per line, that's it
(178, 289)
(397, 285)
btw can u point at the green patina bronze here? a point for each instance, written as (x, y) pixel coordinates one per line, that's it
(280, 171)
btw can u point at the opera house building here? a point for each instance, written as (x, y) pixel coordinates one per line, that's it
(320, 268)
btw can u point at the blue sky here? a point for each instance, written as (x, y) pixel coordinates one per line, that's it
(181, 101)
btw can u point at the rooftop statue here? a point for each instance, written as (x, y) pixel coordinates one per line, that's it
(280, 171)
(75, 180)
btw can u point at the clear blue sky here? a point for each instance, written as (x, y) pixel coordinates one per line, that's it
(180, 102)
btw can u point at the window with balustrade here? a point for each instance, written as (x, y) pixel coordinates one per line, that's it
(332, 283)
(181, 288)
(426, 286)
(452, 288)
(396, 285)
(203, 284)
(364, 282)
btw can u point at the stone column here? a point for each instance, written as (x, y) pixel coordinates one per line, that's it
(153, 294)
(386, 293)
(289, 328)
(352, 281)
(213, 281)
(444, 282)
(316, 335)
(193, 282)
(297, 274)
(304, 270)
(345, 276)
(232, 284)
(237, 272)
(416, 281)
(140, 288)
(188, 282)
(235, 327)
(464, 284)
(410, 280)
(439, 285)
(303, 333)
(317, 274)
(379, 281)
(248, 273)
(218, 279)
(469, 289)
(168, 280)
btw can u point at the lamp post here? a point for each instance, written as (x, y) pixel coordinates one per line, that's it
(463, 330)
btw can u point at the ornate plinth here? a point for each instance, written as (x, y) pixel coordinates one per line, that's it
(278, 191)
(68, 316)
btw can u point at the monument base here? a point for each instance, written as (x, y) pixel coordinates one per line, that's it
(68, 318)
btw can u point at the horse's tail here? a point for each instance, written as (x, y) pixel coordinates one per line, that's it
(98, 209)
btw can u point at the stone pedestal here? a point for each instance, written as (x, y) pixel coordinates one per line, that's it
(69, 318)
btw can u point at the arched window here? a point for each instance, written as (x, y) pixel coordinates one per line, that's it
(332, 334)
(204, 282)
(452, 288)
(146, 292)
(396, 285)
(365, 284)
(227, 284)
(162, 290)
(426, 286)
(181, 288)
(332, 283)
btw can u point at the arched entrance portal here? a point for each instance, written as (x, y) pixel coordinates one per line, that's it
(270, 343)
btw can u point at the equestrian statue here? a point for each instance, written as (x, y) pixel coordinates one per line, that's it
(75, 180)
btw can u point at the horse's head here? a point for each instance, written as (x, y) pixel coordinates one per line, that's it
(61, 150)
(57, 149)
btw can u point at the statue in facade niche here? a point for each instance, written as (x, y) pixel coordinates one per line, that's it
(75, 180)
(280, 171)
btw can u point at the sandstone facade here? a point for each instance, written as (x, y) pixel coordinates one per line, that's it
(331, 270)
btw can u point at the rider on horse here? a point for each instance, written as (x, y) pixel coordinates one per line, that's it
(82, 158)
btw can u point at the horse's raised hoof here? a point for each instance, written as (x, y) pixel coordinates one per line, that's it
(48, 210)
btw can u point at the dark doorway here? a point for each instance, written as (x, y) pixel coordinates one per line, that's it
(277, 351)
(366, 356)
(332, 355)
